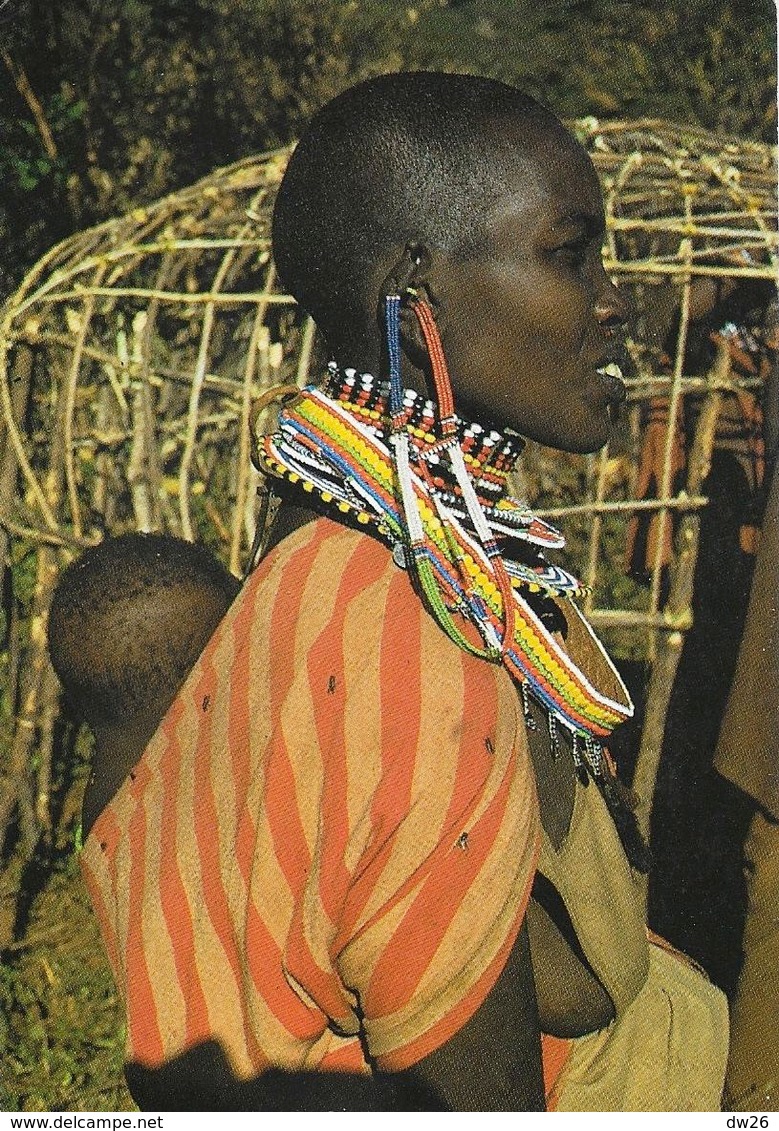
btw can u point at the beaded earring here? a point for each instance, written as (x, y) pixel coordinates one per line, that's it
(374, 454)
(450, 447)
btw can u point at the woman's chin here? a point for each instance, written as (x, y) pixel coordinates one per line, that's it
(584, 439)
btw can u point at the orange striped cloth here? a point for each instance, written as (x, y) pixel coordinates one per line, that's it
(333, 832)
(739, 431)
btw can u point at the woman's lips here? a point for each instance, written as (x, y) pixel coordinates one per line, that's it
(614, 388)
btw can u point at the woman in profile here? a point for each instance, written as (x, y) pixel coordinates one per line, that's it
(377, 843)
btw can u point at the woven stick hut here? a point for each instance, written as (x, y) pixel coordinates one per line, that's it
(131, 354)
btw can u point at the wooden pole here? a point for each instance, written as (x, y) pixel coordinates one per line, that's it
(678, 608)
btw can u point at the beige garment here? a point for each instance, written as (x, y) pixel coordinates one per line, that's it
(667, 1048)
(602, 896)
(748, 755)
(666, 1052)
(747, 751)
(753, 1069)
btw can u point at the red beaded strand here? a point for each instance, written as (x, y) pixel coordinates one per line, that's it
(443, 385)
(448, 426)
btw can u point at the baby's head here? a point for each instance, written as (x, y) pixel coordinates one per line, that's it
(477, 197)
(127, 622)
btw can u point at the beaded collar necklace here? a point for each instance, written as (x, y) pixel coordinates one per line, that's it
(434, 488)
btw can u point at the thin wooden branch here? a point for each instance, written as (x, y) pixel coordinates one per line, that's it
(16, 788)
(199, 298)
(674, 403)
(45, 537)
(143, 329)
(22, 84)
(306, 348)
(678, 607)
(70, 401)
(682, 502)
(180, 243)
(639, 388)
(636, 618)
(212, 381)
(45, 753)
(243, 470)
(20, 395)
(15, 437)
(663, 269)
(194, 401)
(200, 370)
(692, 228)
(137, 477)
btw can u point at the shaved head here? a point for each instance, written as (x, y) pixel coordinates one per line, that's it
(404, 157)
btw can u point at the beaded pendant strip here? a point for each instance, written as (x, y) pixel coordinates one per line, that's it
(434, 488)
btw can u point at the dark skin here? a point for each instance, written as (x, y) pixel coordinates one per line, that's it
(534, 300)
(547, 318)
(526, 323)
(180, 621)
(117, 750)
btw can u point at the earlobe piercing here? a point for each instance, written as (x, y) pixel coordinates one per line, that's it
(415, 252)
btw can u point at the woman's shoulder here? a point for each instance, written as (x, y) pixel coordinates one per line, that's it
(325, 568)
(321, 548)
(330, 587)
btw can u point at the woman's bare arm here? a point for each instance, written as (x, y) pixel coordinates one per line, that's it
(494, 1062)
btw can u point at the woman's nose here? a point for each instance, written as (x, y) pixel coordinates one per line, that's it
(613, 308)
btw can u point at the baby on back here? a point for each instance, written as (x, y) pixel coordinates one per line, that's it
(127, 622)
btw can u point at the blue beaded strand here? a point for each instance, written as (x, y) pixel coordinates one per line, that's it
(392, 320)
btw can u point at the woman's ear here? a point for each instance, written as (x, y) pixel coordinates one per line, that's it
(412, 272)
(409, 270)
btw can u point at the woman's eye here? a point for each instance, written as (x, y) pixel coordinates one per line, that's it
(574, 252)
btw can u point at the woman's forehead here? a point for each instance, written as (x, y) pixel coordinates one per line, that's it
(547, 183)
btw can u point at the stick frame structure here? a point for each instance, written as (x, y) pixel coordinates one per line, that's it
(131, 355)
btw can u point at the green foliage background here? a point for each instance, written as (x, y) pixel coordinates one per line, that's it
(136, 98)
(108, 104)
